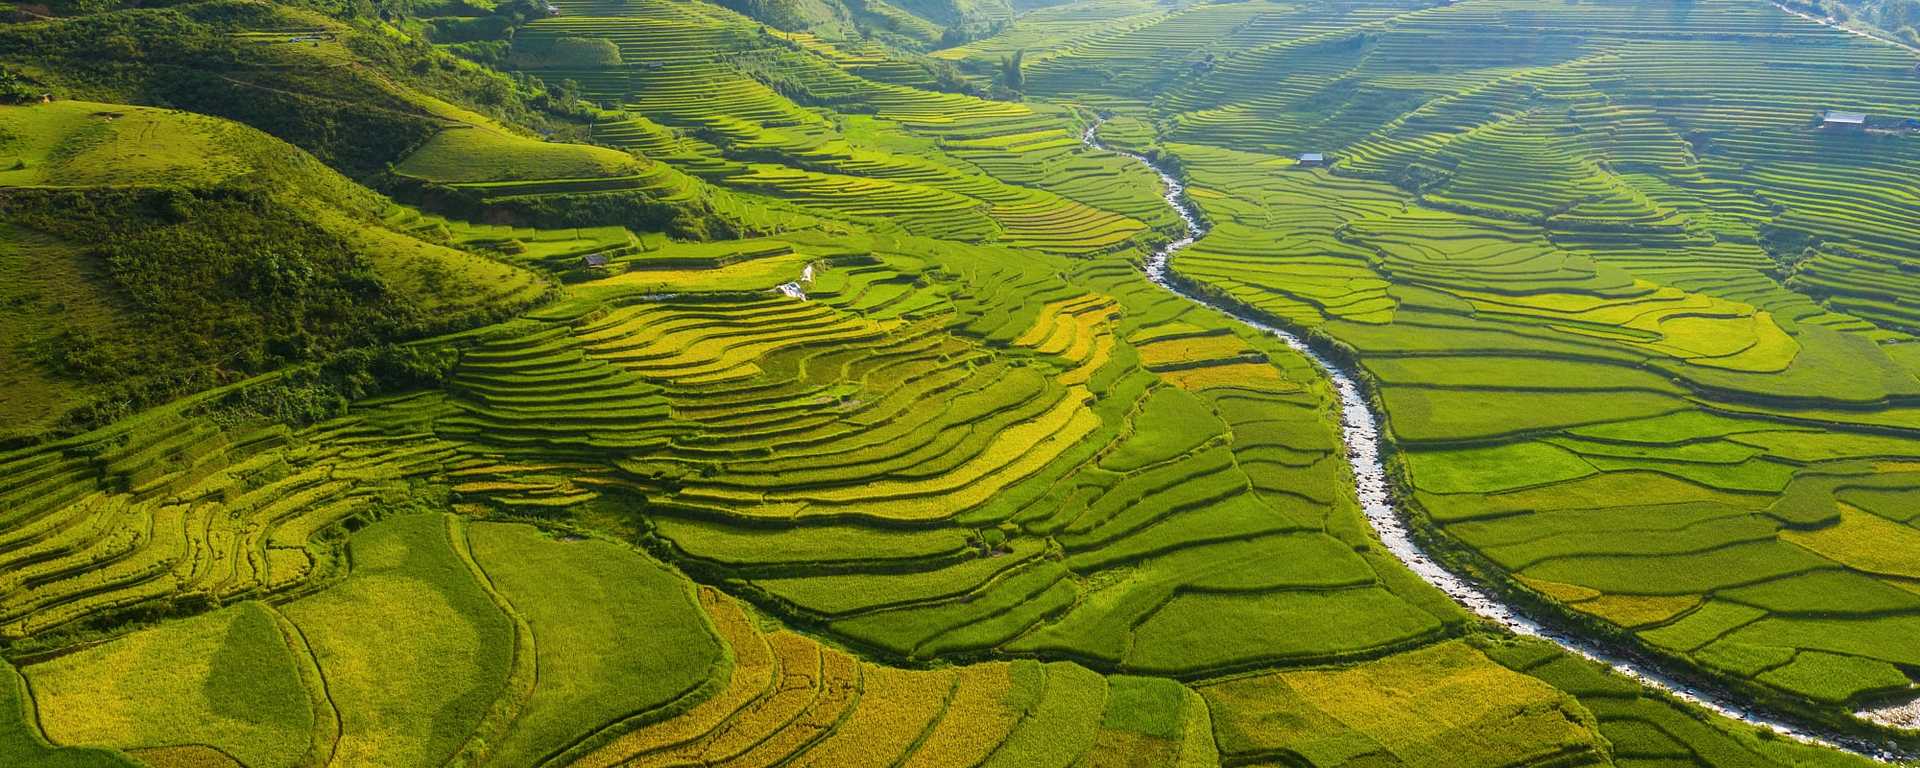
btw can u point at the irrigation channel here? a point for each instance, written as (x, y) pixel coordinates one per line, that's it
(1360, 431)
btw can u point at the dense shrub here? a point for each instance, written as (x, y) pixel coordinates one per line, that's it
(492, 53)
(571, 52)
(225, 283)
(635, 209)
(16, 89)
(461, 29)
(312, 393)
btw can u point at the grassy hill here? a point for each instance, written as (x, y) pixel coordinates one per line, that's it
(1897, 20)
(166, 252)
(356, 96)
(365, 100)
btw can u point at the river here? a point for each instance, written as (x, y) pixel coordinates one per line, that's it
(1360, 430)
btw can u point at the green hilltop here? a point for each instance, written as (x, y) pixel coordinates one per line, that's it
(163, 252)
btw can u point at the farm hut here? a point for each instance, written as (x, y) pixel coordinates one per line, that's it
(1835, 119)
(1312, 160)
(593, 261)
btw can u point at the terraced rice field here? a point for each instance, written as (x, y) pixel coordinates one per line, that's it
(1361, 433)
(857, 426)
(706, 93)
(1100, 479)
(1602, 392)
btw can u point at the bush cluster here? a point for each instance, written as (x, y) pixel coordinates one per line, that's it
(225, 283)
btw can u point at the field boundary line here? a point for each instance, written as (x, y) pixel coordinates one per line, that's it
(317, 690)
(521, 679)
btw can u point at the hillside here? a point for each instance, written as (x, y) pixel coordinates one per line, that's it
(164, 252)
(1897, 20)
(672, 383)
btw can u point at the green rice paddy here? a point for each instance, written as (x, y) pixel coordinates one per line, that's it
(1594, 405)
(789, 400)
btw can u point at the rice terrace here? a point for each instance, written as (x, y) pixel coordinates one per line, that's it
(956, 383)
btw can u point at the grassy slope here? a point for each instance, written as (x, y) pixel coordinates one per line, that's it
(88, 189)
(354, 100)
(22, 743)
(58, 288)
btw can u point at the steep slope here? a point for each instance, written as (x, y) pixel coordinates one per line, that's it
(170, 252)
(356, 98)
(367, 100)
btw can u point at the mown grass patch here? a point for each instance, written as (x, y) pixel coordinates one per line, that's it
(1490, 470)
(82, 143)
(1060, 728)
(1170, 423)
(1274, 626)
(1866, 542)
(1833, 677)
(479, 154)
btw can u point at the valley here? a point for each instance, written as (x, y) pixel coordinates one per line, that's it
(662, 382)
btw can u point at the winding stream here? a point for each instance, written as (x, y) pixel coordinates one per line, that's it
(1360, 432)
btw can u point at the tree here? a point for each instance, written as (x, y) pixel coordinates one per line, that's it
(1010, 74)
(15, 89)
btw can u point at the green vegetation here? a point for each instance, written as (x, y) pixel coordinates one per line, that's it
(21, 741)
(197, 252)
(590, 670)
(1443, 705)
(413, 651)
(226, 678)
(669, 382)
(1632, 315)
